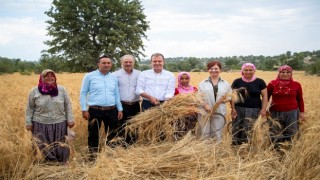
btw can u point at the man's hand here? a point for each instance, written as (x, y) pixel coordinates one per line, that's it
(120, 115)
(85, 115)
(154, 101)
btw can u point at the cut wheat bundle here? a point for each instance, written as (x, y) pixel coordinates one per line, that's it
(158, 123)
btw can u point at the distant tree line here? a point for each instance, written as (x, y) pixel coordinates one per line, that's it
(307, 61)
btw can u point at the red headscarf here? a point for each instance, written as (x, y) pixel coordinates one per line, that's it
(282, 85)
(287, 68)
(47, 89)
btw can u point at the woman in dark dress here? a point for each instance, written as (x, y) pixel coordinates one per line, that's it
(255, 100)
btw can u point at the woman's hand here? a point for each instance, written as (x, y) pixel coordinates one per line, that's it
(301, 117)
(263, 113)
(223, 101)
(70, 124)
(207, 108)
(29, 127)
(234, 114)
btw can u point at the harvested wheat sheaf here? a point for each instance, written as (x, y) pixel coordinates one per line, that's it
(159, 123)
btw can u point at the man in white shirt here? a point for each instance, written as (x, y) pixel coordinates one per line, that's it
(127, 79)
(157, 84)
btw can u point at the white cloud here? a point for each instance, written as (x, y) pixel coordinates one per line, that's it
(185, 27)
(22, 38)
(242, 30)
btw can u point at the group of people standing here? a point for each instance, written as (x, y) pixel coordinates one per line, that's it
(114, 97)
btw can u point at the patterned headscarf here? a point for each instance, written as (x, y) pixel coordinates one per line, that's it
(47, 89)
(284, 67)
(281, 86)
(242, 74)
(184, 89)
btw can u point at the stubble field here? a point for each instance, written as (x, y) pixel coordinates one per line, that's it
(186, 159)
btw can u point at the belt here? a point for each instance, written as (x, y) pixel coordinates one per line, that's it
(103, 108)
(129, 103)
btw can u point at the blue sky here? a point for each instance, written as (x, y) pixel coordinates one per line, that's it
(198, 28)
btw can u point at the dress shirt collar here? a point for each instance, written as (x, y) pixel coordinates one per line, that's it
(125, 72)
(99, 72)
(159, 72)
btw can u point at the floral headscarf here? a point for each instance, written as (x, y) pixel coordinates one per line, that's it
(242, 74)
(287, 68)
(281, 86)
(47, 89)
(184, 89)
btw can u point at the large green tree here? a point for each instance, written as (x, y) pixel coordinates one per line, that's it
(83, 30)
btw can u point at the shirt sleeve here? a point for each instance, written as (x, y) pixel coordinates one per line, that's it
(84, 92)
(201, 91)
(262, 84)
(269, 90)
(141, 84)
(229, 92)
(30, 108)
(195, 89)
(300, 98)
(171, 86)
(117, 96)
(67, 106)
(176, 91)
(233, 85)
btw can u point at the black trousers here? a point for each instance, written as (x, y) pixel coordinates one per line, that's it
(110, 121)
(128, 112)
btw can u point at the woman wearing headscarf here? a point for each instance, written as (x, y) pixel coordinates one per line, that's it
(48, 114)
(254, 100)
(287, 105)
(216, 93)
(184, 86)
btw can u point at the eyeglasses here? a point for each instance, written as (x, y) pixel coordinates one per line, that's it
(285, 72)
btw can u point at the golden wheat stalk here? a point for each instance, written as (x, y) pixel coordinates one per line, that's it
(157, 123)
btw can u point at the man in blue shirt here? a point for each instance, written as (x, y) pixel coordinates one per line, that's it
(100, 101)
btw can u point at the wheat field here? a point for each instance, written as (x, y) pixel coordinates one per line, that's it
(188, 158)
